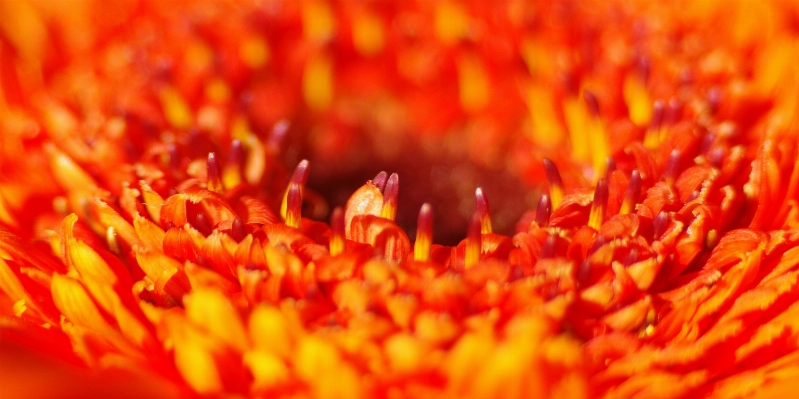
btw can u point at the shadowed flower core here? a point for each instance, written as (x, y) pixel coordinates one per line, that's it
(412, 199)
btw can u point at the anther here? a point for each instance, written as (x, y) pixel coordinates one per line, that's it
(653, 134)
(599, 241)
(213, 179)
(550, 247)
(707, 143)
(673, 112)
(237, 230)
(597, 215)
(300, 175)
(380, 180)
(583, 272)
(672, 167)
(173, 157)
(632, 194)
(610, 167)
(473, 242)
(278, 135)
(293, 206)
(390, 194)
(202, 224)
(483, 211)
(592, 103)
(659, 224)
(112, 241)
(714, 97)
(543, 211)
(658, 112)
(337, 243)
(556, 190)
(632, 257)
(424, 234)
(298, 179)
(231, 173)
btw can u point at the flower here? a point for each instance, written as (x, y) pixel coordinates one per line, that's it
(153, 241)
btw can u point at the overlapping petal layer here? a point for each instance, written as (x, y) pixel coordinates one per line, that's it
(153, 233)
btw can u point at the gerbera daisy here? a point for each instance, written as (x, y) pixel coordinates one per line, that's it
(204, 199)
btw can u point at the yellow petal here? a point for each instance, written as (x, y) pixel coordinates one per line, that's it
(268, 370)
(215, 312)
(269, 331)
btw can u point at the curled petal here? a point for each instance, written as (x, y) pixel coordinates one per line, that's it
(630, 317)
(153, 202)
(108, 217)
(171, 283)
(250, 253)
(150, 234)
(367, 200)
(218, 252)
(386, 237)
(257, 212)
(183, 243)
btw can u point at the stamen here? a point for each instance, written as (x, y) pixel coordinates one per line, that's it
(231, 173)
(473, 242)
(390, 195)
(550, 247)
(632, 257)
(237, 230)
(294, 206)
(583, 272)
(610, 167)
(715, 157)
(543, 211)
(658, 113)
(592, 103)
(659, 224)
(424, 234)
(112, 241)
(380, 180)
(714, 97)
(597, 216)
(300, 175)
(213, 180)
(278, 135)
(673, 112)
(633, 193)
(202, 224)
(652, 136)
(173, 157)
(298, 178)
(483, 211)
(707, 143)
(672, 167)
(337, 243)
(556, 190)
(599, 241)
(599, 148)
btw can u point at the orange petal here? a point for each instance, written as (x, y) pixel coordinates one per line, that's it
(183, 243)
(150, 234)
(385, 236)
(367, 200)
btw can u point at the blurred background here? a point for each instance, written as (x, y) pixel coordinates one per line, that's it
(451, 95)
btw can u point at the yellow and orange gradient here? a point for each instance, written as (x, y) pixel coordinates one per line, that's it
(172, 222)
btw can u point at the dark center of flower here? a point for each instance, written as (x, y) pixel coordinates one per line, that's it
(439, 173)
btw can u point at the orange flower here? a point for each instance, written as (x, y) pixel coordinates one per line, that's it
(154, 242)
